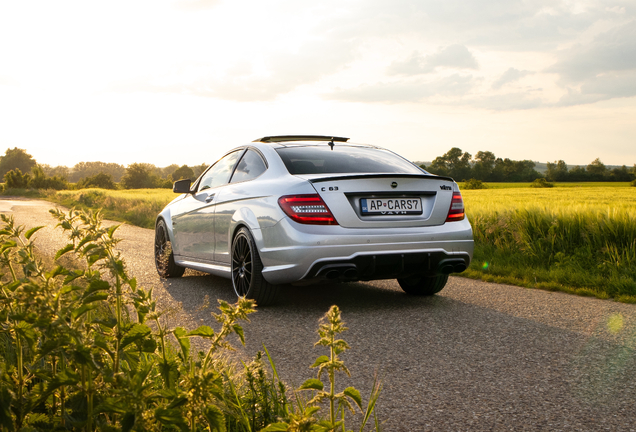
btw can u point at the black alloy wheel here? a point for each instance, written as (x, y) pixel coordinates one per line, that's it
(164, 256)
(247, 278)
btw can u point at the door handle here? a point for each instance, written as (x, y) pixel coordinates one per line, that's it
(210, 198)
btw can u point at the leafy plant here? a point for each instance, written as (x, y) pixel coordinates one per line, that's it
(339, 403)
(83, 347)
(16, 179)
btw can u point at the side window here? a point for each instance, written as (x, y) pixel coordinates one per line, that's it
(220, 173)
(250, 166)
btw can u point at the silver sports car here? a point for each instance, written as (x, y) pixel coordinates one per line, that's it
(301, 209)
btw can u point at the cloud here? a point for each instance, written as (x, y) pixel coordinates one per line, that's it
(514, 25)
(511, 75)
(284, 73)
(407, 91)
(604, 87)
(453, 56)
(614, 50)
(507, 102)
(601, 70)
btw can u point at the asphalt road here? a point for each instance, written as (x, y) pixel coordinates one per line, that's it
(477, 356)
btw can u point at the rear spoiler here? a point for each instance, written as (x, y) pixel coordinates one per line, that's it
(362, 176)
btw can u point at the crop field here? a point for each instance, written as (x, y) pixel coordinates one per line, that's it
(573, 239)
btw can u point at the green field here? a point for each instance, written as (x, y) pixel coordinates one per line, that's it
(580, 240)
(574, 237)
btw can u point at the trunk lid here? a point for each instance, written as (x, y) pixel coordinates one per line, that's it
(385, 200)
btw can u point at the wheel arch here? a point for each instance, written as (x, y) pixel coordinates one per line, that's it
(245, 218)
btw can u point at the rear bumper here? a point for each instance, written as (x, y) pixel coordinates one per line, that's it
(293, 252)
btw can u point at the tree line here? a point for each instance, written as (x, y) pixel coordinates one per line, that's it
(20, 170)
(485, 166)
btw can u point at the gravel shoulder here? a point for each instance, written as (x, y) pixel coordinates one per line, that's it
(478, 356)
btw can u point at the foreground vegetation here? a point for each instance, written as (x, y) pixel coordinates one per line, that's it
(85, 348)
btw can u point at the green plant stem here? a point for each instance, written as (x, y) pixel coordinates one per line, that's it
(20, 359)
(119, 334)
(332, 391)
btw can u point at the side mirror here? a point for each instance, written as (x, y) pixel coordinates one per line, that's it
(182, 186)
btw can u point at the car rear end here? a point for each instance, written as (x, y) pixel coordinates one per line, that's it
(364, 213)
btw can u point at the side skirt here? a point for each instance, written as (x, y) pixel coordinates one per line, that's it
(215, 269)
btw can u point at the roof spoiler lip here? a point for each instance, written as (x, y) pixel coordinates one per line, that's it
(380, 175)
(286, 138)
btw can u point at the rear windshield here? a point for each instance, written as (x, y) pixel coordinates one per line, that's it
(343, 159)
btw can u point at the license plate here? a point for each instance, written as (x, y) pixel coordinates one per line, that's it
(390, 206)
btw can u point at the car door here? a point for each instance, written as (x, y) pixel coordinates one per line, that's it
(194, 227)
(231, 197)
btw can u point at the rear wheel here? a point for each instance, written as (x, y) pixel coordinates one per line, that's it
(423, 285)
(247, 278)
(164, 257)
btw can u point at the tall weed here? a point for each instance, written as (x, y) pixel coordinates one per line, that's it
(591, 250)
(87, 349)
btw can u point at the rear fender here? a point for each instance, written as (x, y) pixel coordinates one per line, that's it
(245, 217)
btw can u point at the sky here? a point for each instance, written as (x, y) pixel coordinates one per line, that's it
(183, 81)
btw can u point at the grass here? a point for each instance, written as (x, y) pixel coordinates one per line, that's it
(579, 240)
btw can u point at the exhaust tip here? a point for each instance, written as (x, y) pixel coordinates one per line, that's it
(460, 267)
(351, 273)
(447, 269)
(332, 274)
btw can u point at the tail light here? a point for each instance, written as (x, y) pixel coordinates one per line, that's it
(456, 211)
(307, 209)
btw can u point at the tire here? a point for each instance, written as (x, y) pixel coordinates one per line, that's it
(423, 285)
(164, 257)
(247, 278)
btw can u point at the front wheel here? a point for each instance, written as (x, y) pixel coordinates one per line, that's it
(164, 257)
(247, 278)
(423, 285)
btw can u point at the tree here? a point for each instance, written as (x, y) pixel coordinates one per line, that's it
(198, 169)
(16, 158)
(578, 174)
(88, 169)
(100, 180)
(557, 171)
(597, 170)
(59, 171)
(453, 163)
(621, 174)
(41, 181)
(166, 172)
(183, 172)
(139, 176)
(484, 164)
